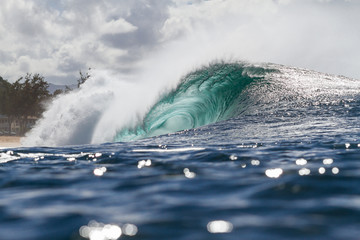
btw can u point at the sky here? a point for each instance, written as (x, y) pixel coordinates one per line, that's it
(58, 38)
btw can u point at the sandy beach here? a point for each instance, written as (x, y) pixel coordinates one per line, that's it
(9, 141)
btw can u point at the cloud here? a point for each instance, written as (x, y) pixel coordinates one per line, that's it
(117, 27)
(59, 38)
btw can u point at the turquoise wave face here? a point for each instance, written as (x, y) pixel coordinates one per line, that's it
(205, 96)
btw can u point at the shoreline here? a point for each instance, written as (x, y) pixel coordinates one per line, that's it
(10, 141)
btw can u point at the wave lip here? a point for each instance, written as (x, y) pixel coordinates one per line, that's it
(205, 96)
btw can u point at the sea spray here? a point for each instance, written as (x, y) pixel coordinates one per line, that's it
(100, 107)
(108, 101)
(71, 118)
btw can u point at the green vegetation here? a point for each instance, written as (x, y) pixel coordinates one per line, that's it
(23, 101)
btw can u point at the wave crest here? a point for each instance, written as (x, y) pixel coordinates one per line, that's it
(205, 96)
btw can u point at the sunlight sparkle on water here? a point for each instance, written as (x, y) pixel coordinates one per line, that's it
(328, 161)
(255, 162)
(144, 163)
(248, 146)
(129, 229)
(188, 173)
(335, 170)
(99, 171)
(100, 231)
(219, 226)
(233, 157)
(301, 161)
(274, 172)
(185, 149)
(322, 170)
(304, 171)
(95, 156)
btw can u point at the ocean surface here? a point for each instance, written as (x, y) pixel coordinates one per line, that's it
(234, 151)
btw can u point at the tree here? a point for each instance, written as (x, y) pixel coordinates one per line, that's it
(30, 94)
(5, 99)
(58, 92)
(27, 97)
(83, 78)
(4, 95)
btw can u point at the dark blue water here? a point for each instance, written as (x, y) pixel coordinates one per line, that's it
(287, 166)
